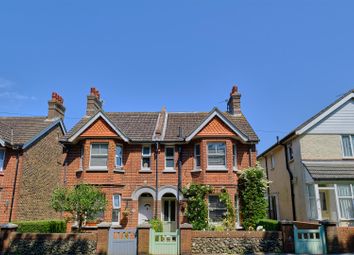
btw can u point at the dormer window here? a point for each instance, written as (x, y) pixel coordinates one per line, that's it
(99, 155)
(347, 144)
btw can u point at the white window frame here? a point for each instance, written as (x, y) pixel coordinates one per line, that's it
(118, 208)
(170, 157)
(214, 208)
(216, 167)
(115, 162)
(272, 162)
(99, 167)
(145, 156)
(344, 197)
(3, 160)
(196, 156)
(351, 137)
(234, 157)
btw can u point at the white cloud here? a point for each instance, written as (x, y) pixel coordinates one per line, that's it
(5, 83)
(16, 96)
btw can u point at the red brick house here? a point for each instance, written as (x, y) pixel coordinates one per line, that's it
(134, 157)
(30, 163)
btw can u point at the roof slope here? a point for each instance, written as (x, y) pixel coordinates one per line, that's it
(331, 170)
(24, 128)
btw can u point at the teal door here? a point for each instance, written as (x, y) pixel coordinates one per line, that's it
(310, 241)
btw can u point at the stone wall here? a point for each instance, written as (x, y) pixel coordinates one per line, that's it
(236, 242)
(59, 244)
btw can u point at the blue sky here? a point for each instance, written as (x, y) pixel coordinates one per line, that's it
(289, 58)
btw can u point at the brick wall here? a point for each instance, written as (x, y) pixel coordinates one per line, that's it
(42, 166)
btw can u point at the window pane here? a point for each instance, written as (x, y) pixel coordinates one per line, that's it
(95, 149)
(146, 150)
(169, 152)
(197, 161)
(165, 210)
(98, 161)
(103, 149)
(344, 190)
(211, 148)
(119, 156)
(311, 190)
(2, 153)
(217, 215)
(216, 160)
(214, 202)
(116, 201)
(221, 148)
(173, 210)
(347, 150)
(115, 215)
(169, 163)
(146, 162)
(346, 208)
(197, 149)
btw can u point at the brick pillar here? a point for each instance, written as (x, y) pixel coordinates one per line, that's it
(5, 236)
(143, 239)
(103, 237)
(186, 239)
(332, 241)
(287, 228)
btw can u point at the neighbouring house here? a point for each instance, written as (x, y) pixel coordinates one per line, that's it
(30, 163)
(312, 168)
(135, 157)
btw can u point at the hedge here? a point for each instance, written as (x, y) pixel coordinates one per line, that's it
(269, 225)
(41, 226)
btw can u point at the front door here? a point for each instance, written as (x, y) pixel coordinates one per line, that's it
(325, 206)
(169, 214)
(145, 209)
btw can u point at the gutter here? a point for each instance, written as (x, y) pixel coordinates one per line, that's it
(291, 177)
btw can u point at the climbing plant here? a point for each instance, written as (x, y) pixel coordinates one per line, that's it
(252, 188)
(230, 219)
(197, 209)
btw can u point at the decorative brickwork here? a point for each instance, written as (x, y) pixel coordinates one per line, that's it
(99, 129)
(216, 127)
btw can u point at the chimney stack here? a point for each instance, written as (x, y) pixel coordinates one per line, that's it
(94, 103)
(56, 107)
(234, 103)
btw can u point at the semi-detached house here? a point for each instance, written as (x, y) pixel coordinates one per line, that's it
(134, 157)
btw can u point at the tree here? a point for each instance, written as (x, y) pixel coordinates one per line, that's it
(252, 189)
(81, 201)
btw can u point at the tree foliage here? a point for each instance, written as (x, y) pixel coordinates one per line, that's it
(197, 209)
(252, 188)
(230, 219)
(82, 201)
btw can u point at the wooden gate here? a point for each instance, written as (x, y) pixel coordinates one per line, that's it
(164, 242)
(310, 241)
(122, 242)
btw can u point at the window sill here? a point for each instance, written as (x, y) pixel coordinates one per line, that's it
(217, 169)
(145, 171)
(236, 171)
(169, 171)
(196, 170)
(80, 170)
(1, 173)
(119, 170)
(97, 170)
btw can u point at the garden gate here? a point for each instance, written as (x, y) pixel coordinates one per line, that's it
(164, 242)
(122, 242)
(310, 241)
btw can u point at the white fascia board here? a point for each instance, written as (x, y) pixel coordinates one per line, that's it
(225, 120)
(2, 142)
(325, 114)
(91, 121)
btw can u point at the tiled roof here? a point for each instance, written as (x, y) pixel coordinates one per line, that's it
(140, 126)
(24, 128)
(330, 170)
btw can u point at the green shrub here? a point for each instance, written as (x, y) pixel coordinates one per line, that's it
(156, 224)
(41, 226)
(269, 225)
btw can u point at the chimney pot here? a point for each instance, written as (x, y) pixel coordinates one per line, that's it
(56, 108)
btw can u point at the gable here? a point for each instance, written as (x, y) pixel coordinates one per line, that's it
(99, 128)
(340, 121)
(216, 127)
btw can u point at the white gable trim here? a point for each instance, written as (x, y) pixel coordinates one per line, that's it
(91, 121)
(325, 114)
(2, 142)
(225, 120)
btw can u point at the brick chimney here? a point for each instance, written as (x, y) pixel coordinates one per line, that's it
(94, 103)
(234, 103)
(56, 107)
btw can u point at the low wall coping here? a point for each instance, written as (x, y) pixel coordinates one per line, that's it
(186, 226)
(144, 226)
(8, 226)
(286, 222)
(236, 234)
(104, 225)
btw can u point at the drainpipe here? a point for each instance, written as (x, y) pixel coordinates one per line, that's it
(157, 178)
(14, 185)
(268, 189)
(179, 184)
(250, 157)
(291, 181)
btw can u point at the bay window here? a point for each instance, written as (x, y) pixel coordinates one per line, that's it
(2, 159)
(99, 155)
(217, 155)
(119, 156)
(116, 206)
(347, 144)
(217, 209)
(145, 157)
